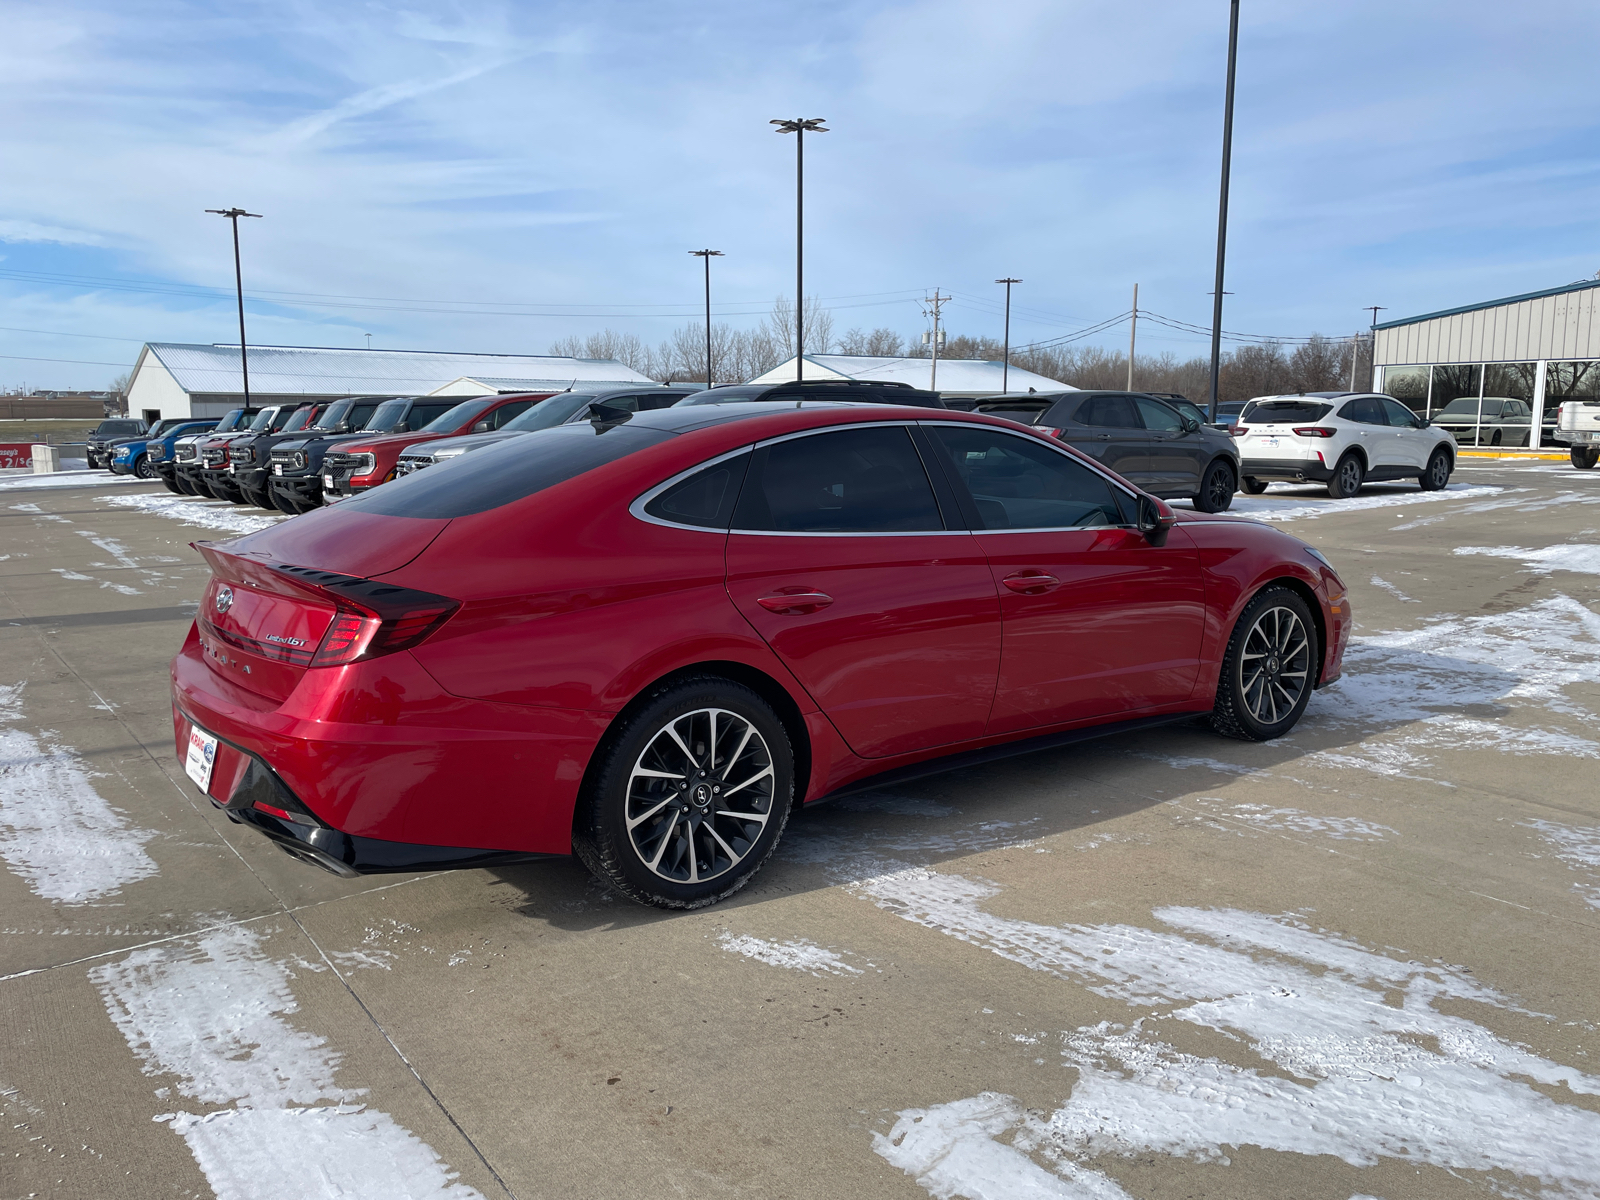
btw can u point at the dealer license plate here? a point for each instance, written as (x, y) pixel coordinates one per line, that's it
(1269, 441)
(201, 758)
(277, 468)
(327, 481)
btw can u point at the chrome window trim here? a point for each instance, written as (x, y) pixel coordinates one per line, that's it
(637, 508)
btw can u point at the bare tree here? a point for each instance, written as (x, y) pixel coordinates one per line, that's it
(880, 343)
(779, 325)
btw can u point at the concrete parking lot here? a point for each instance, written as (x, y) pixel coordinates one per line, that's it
(1358, 961)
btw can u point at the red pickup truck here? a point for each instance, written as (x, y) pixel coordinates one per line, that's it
(364, 463)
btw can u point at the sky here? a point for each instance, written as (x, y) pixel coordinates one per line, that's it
(480, 176)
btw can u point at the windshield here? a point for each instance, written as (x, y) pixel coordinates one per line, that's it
(546, 414)
(387, 416)
(462, 414)
(118, 428)
(334, 414)
(299, 420)
(264, 418)
(724, 395)
(166, 426)
(1284, 412)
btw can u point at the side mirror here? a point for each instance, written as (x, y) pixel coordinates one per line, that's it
(1155, 520)
(1190, 425)
(481, 427)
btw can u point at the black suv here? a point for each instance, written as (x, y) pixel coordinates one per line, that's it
(248, 458)
(295, 485)
(1147, 441)
(859, 390)
(98, 448)
(207, 474)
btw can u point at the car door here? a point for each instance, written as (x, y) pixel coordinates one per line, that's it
(1096, 621)
(1372, 432)
(841, 559)
(1177, 453)
(1413, 443)
(1115, 436)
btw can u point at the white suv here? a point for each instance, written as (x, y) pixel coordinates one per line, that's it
(1342, 439)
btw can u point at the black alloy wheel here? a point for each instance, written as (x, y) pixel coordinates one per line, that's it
(1348, 477)
(689, 796)
(1585, 457)
(1254, 487)
(1436, 474)
(1269, 668)
(143, 468)
(1216, 489)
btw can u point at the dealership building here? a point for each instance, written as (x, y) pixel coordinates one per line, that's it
(1499, 370)
(174, 379)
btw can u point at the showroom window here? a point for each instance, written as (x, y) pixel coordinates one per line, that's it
(1409, 385)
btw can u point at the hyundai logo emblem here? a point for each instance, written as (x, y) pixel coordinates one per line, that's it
(224, 600)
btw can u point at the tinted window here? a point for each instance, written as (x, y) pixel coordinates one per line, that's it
(1190, 410)
(847, 481)
(1399, 415)
(499, 474)
(503, 415)
(1283, 412)
(1018, 483)
(432, 418)
(1110, 412)
(119, 428)
(1367, 410)
(264, 418)
(705, 498)
(300, 419)
(231, 419)
(655, 400)
(1158, 416)
(334, 414)
(725, 395)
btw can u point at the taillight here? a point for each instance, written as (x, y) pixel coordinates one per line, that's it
(372, 618)
(1238, 430)
(1315, 431)
(1048, 431)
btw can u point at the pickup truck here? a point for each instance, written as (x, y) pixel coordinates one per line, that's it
(295, 484)
(98, 445)
(1578, 425)
(138, 456)
(249, 458)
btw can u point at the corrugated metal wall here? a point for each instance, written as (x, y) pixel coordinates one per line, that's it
(1553, 327)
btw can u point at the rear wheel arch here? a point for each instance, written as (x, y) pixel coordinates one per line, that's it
(757, 680)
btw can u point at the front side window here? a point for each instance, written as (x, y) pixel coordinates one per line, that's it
(547, 414)
(1400, 416)
(1158, 416)
(506, 413)
(1018, 483)
(431, 418)
(847, 481)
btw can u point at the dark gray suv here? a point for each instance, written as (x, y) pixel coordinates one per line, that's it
(1145, 440)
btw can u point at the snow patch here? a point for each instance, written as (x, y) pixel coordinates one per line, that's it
(230, 518)
(1580, 850)
(1292, 820)
(799, 955)
(1392, 590)
(56, 831)
(1580, 559)
(66, 479)
(213, 1013)
(1303, 505)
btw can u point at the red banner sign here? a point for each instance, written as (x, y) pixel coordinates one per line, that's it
(16, 454)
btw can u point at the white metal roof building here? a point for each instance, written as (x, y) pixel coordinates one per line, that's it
(174, 379)
(956, 377)
(1537, 349)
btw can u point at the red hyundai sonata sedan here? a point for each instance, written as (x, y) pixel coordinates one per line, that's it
(646, 640)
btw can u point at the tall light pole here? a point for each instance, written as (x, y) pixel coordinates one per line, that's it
(708, 255)
(233, 214)
(1372, 353)
(800, 126)
(1005, 369)
(1222, 206)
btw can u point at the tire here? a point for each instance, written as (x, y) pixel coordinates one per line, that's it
(1585, 457)
(143, 468)
(258, 500)
(1273, 649)
(670, 737)
(284, 505)
(1216, 489)
(1348, 476)
(1495, 440)
(172, 485)
(1436, 474)
(1254, 487)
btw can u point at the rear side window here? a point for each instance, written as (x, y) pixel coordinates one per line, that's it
(1109, 412)
(846, 481)
(1018, 483)
(1282, 412)
(704, 499)
(512, 470)
(1366, 410)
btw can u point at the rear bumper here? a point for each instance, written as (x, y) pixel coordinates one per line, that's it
(1286, 470)
(375, 767)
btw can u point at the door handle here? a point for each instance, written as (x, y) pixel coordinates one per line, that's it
(1031, 583)
(795, 602)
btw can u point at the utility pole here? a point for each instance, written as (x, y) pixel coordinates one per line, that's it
(800, 126)
(233, 214)
(1222, 206)
(707, 256)
(934, 303)
(1355, 349)
(1133, 332)
(1005, 369)
(1372, 355)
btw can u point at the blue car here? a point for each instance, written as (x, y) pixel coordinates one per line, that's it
(138, 456)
